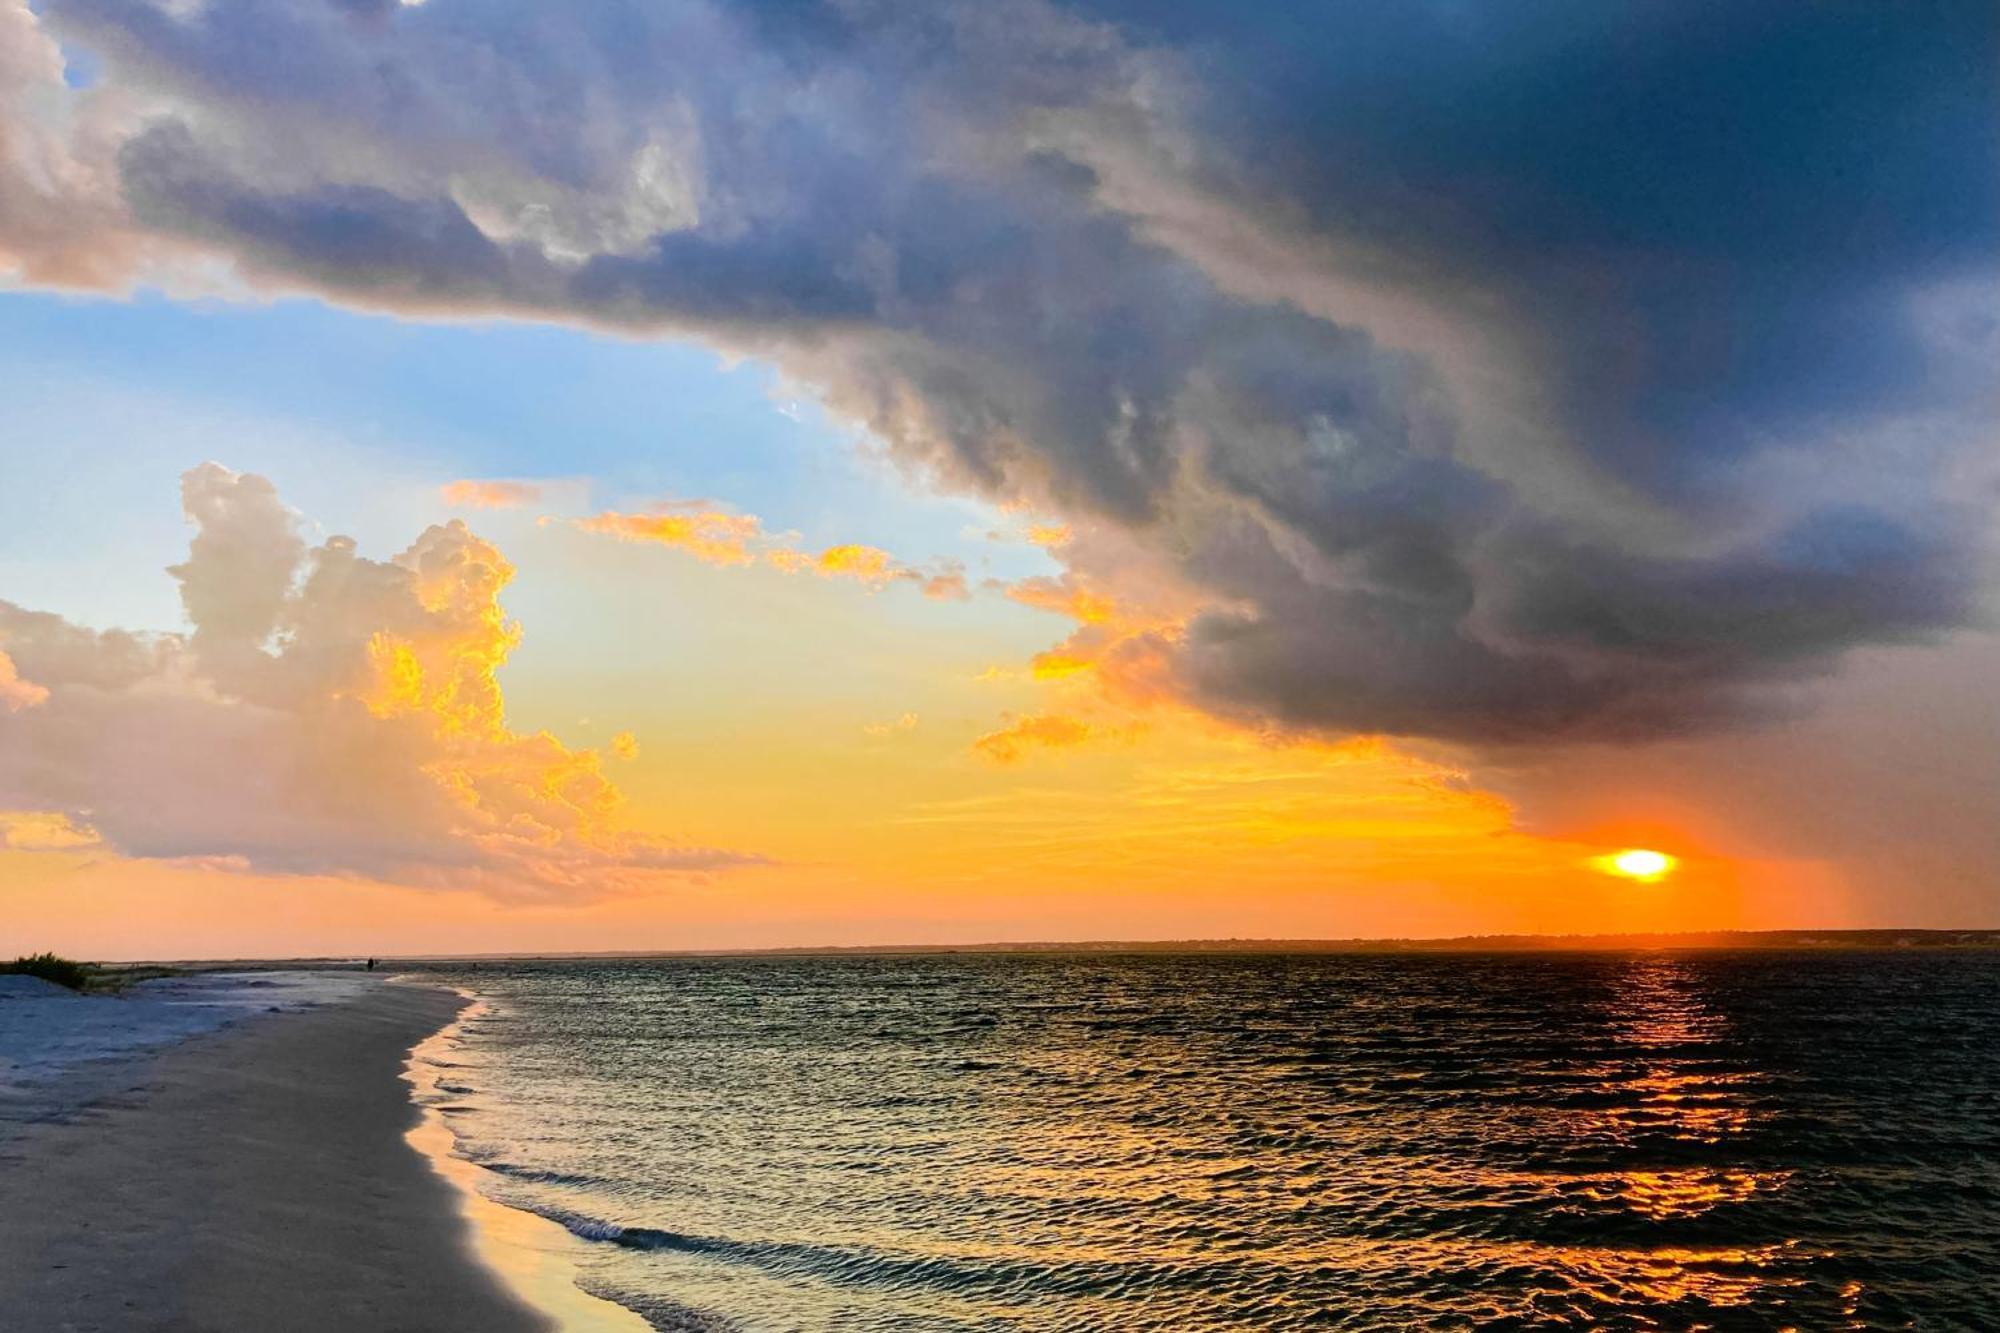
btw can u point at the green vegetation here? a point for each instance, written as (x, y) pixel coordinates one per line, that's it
(81, 976)
(49, 967)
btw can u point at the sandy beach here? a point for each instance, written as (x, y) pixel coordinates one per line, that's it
(255, 1178)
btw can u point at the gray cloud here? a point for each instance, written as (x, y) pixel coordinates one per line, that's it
(1469, 409)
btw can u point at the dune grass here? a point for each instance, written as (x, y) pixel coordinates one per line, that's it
(80, 976)
(49, 967)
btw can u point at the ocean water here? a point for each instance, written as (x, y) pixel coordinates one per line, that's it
(1196, 1143)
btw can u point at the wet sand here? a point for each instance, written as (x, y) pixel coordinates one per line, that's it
(254, 1179)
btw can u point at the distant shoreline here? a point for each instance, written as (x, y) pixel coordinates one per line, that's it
(1825, 941)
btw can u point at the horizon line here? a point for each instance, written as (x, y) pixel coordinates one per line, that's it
(1889, 937)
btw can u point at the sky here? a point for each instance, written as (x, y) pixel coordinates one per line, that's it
(488, 476)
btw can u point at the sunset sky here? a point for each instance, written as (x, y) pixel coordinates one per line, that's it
(488, 475)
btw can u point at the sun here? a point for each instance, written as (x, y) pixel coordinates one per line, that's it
(1640, 863)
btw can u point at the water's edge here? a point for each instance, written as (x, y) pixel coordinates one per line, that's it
(537, 1259)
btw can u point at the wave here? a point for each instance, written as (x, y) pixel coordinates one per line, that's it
(542, 1176)
(1600, 1142)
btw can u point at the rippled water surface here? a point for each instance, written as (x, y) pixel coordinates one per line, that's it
(1196, 1143)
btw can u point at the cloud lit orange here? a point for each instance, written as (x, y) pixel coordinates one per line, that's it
(1047, 731)
(471, 494)
(15, 693)
(720, 537)
(712, 536)
(1065, 596)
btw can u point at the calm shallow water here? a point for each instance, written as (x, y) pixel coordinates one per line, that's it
(1195, 1143)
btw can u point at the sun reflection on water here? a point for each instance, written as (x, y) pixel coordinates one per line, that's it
(1666, 1080)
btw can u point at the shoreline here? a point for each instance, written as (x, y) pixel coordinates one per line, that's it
(269, 1174)
(538, 1259)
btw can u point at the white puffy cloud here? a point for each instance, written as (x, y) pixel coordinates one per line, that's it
(327, 714)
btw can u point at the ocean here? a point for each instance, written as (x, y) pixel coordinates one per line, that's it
(1203, 1142)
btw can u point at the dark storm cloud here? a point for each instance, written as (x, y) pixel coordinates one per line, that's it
(1593, 368)
(1543, 636)
(1714, 207)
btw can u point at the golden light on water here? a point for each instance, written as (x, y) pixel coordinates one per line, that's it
(1640, 863)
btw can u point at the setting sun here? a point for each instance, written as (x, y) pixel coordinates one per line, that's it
(1638, 863)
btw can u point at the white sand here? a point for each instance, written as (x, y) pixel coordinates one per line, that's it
(253, 1180)
(59, 1049)
(223, 1175)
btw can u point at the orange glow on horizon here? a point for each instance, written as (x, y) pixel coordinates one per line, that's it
(1042, 802)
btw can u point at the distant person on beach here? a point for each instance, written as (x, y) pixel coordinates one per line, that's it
(371, 964)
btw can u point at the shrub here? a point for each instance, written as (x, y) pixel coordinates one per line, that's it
(47, 966)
